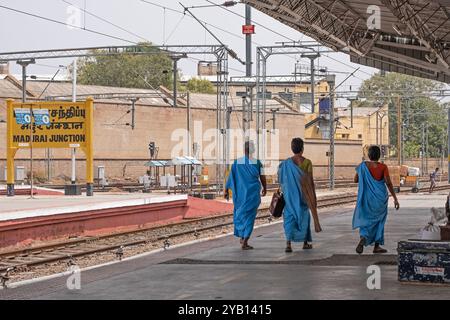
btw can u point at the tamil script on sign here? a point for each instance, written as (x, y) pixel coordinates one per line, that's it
(50, 126)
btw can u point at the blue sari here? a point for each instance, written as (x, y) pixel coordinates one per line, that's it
(371, 206)
(296, 215)
(245, 185)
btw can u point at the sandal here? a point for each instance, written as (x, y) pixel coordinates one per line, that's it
(379, 250)
(360, 247)
(288, 250)
(247, 247)
(307, 246)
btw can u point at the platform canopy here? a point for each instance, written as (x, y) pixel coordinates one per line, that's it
(184, 161)
(413, 36)
(156, 163)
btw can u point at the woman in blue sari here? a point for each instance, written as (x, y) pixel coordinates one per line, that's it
(372, 203)
(245, 182)
(296, 214)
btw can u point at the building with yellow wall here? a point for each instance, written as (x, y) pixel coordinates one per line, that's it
(368, 124)
(365, 125)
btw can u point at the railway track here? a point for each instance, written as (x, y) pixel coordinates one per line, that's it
(68, 251)
(136, 187)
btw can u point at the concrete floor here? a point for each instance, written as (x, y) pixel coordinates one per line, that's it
(218, 269)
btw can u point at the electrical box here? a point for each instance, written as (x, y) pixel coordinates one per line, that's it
(3, 174)
(324, 106)
(20, 173)
(207, 68)
(99, 175)
(99, 172)
(168, 181)
(145, 180)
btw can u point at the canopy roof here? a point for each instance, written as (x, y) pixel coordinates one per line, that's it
(413, 36)
(156, 163)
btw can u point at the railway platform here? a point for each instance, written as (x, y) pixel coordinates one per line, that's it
(217, 269)
(51, 217)
(47, 217)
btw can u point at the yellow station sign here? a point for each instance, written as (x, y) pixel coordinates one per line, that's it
(50, 125)
(64, 126)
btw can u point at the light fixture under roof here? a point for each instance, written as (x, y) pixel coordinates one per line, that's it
(397, 29)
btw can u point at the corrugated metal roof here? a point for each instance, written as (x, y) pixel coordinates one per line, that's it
(405, 36)
(9, 90)
(209, 101)
(43, 89)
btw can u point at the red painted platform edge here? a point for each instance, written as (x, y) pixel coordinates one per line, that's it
(95, 222)
(36, 192)
(199, 208)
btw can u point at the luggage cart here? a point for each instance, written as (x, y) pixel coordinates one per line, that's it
(412, 182)
(394, 172)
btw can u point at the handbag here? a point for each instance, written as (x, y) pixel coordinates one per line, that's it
(277, 204)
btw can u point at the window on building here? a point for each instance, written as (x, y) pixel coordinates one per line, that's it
(359, 136)
(345, 136)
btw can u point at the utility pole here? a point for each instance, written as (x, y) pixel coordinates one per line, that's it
(352, 100)
(247, 102)
(383, 114)
(175, 72)
(248, 42)
(448, 144)
(377, 128)
(312, 57)
(399, 131)
(188, 122)
(332, 84)
(422, 149)
(24, 64)
(74, 99)
(426, 147)
(188, 129)
(133, 112)
(274, 114)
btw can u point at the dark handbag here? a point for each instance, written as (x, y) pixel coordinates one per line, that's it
(277, 204)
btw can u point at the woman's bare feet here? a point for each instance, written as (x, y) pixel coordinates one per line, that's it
(307, 246)
(288, 247)
(245, 245)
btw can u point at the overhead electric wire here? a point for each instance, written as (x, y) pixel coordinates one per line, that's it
(105, 20)
(51, 81)
(96, 16)
(174, 29)
(66, 24)
(256, 23)
(279, 34)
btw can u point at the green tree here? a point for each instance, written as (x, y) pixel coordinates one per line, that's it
(150, 69)
(418, 110)
(200, 86)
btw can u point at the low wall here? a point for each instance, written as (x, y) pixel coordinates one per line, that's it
(433, 163)
(348, 154)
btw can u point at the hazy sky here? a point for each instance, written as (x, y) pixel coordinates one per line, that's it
(19, 32)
